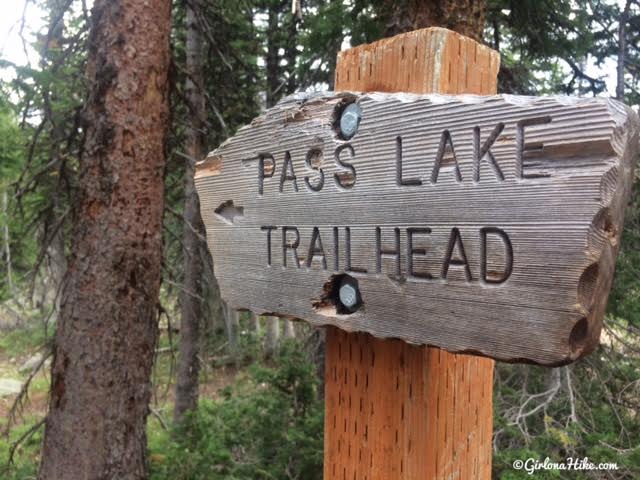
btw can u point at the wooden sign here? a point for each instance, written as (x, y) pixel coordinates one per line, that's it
(477, 224)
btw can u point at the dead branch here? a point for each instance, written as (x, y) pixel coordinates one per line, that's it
(572, 402)
(188, 224)
(23, 396)
(546, 397)
(161, 420)
(15, 445)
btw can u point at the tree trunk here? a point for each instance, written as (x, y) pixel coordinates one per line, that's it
(272, 59)
(57, 263)
(272, 337)
(334, 45)
(53, 234)
(214, 312)
(232, 320)
(318, 350)
(107, 328)
(192, 295)
(254, 323)
(7, 244)
(289, 329)
(622, 50)
(291, 53)
(466, 17)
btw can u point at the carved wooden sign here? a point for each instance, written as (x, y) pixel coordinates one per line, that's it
(477, 224)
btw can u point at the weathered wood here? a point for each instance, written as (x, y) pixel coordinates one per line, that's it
(537, 218)
(437, 418)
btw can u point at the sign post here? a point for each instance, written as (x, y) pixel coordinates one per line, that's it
(480, 224)
(395, 410)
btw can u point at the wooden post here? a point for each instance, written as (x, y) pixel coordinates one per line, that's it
(396, 411)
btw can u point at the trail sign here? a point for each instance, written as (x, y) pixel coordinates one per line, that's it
(484, 224)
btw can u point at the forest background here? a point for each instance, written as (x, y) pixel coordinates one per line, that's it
(236, 395)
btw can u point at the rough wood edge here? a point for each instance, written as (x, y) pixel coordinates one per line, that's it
(210, 166)
(293, 108)
(603, 242)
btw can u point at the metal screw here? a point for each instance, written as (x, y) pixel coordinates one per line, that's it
(350, 120)
(348, 295)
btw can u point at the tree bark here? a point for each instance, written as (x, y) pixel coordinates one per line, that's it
(622, 50)
(214, 311)
(272, 58)
(334, 45)
(193, 244)
(289, 329)
(57, 266)
(291, 52)
(232, 321)
(272, 337)
(7, 244)
(108, 328)
(254, 323)
(53, 235)
(466, 17)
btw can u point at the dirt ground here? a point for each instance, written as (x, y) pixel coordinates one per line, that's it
(213, 381)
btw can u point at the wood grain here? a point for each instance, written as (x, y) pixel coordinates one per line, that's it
(535, 283)
(394, 410)
(430, 60)
(424, 405)
(401, 411)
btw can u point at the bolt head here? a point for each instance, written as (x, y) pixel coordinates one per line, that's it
(350, 120)
(348, 295)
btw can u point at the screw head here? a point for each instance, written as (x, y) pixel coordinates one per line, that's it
(349, 299)
(350, 120)
(348, 295)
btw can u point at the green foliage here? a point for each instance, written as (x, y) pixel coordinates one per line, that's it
(23, 340)
(250, 348)
(325, 25)
(588, 409)
(624, 300)
(231, 88)
(11, 153)
(544, 46)
(10, 142)
(268, 426)
(48, 97)
(25, 459)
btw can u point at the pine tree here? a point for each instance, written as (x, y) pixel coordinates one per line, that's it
(107, 331)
